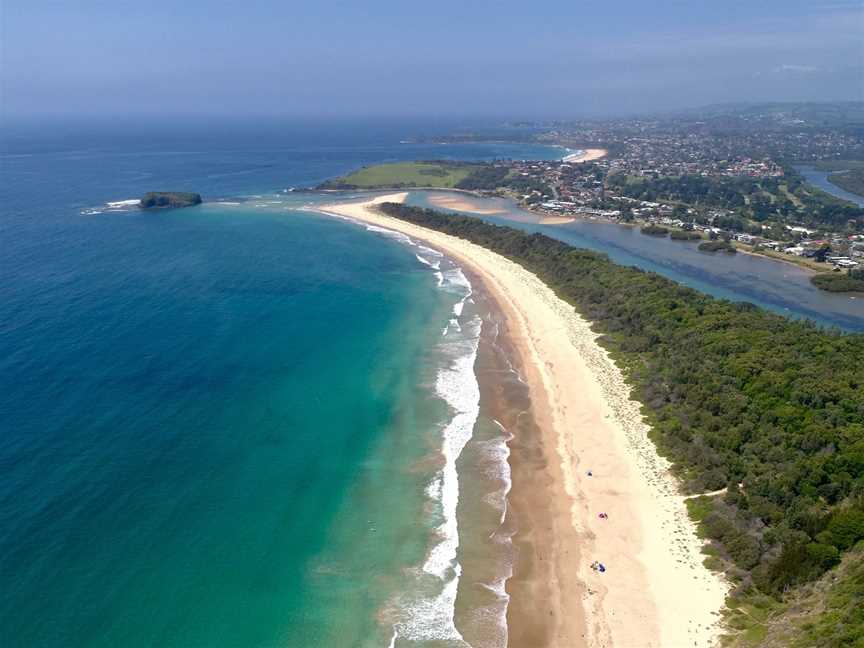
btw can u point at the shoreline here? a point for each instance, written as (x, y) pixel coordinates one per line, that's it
(655, 591)
(537, 538)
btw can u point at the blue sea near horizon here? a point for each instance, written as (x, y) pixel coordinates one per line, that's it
(225, 425)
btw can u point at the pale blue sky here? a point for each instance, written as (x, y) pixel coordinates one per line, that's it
(558, 58)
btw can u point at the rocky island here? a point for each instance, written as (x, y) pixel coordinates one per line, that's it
(173, 199)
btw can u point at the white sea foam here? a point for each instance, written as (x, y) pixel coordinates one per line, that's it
(431, 617)
(434, 263)
(398, 236)
(424, 261)
(131, 202)
(457, 385)
(112, 206)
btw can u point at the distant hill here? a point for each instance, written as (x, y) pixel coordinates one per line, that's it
(842, 115)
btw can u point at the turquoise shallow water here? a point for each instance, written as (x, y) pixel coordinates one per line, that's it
(190, 446)
(219, 425)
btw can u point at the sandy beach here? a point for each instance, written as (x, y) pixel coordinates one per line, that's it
(586, 155)
(586, 453)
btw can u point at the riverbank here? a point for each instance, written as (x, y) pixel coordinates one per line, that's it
(654, 591)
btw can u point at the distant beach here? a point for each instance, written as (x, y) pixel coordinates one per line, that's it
(586, 155)
(582, 451)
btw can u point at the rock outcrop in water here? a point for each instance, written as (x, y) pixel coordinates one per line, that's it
(157, 199)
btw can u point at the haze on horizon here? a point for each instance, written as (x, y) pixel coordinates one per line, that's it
(554, 59)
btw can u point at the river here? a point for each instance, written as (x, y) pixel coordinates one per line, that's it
(775, 285)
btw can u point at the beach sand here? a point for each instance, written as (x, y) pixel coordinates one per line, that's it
(587, 155)
(555, 220)
(655, 591)
(461, 203)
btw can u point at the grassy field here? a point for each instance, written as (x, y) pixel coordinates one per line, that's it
(404, 174)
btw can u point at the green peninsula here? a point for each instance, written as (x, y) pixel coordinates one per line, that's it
(172, 199)
(442, 174)
(446, 175)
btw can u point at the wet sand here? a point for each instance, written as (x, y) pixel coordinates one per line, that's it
(537, 609)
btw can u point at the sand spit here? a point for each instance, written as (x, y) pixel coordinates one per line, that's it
(654, 590)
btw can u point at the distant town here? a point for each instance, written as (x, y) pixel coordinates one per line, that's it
(731, 176)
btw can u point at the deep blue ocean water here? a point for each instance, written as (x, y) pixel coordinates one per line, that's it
(217, 422)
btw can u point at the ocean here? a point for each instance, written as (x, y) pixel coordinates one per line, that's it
(237, 424)
(247, 423)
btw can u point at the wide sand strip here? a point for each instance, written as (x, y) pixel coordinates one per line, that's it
(655, 590)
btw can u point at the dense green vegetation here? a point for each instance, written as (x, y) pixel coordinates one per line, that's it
(156, 199)
(717, 246)
(654, 230)
(827, 612)
(752, 201)
(851, 181)
(405, 174)
(769, 408)
(851, 281)
(685, 235)
(486, 177)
